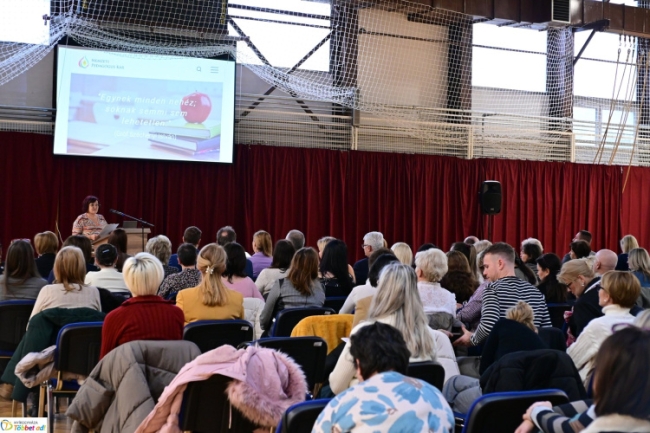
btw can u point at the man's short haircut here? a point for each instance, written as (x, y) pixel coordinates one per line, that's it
(384, 258)
(186, 254)
(297, 238)
(585, 235)
(192, 235)
(426, 246)
(374, 239)
(375, 254)
(581, 249)
(226, 235)
(378, 348)
(503, 250)
(106, 254)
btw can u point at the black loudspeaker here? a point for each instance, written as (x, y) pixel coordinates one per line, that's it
(490, 197)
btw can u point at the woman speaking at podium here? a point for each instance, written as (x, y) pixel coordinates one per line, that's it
(90, 223)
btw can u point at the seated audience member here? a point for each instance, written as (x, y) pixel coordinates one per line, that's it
(582, 235)
(21, 279)
(471, 240)
(628, 243)
(301, 287)
(514, 333)
(548, 268)
(161, 248)
(639, 263)
(504, 292)
(381, 357)
(377, 260)
(83, 243)
(470, 312)
(282, 255)
(621, 391)
(46, 245)
(534, 242)
(362, 305)
(459, 278)
(118, 238)
(188, 277)
(211, 299)
(603, 262)
(191, 235)
(524, 273)
(234, 277)
(426, 246)
(530, 252)
(297, 239)
(371, 241)
(322, 243)
(439, 303)
(579, 250)
(107, 277)
(69, 289)
(618, 293)
(403, 253)
(397, 303)
(334, 269)
(226, 235)
(262, 252)
(470, 254)
(145, 316)
(579, 278)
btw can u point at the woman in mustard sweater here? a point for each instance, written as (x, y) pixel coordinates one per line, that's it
(211, 299)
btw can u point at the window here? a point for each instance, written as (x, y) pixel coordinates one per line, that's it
(22, 21)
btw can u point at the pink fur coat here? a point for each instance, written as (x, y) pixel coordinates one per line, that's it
(255, 368)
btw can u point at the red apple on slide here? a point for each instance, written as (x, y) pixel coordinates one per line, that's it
(197, 107)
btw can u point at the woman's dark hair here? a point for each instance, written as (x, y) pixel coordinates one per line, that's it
(581, 249)
(378, 348)
(335, 262)
(469, 252)
(118, 239)
(425, 247)
(282, 255)
(83, 243)
(20, 263)
(378, 265)
(528, 273)
(236, 261)
(621, 380)
(304, 270)
(550, 286)
(533, 251)
(87, 202)
(106, 255)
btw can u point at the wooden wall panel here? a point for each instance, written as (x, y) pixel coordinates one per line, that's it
(507, 10)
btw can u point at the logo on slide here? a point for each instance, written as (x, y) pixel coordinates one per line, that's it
(6, 425)
(83, 63)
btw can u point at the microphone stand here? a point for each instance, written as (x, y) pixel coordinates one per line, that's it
(141, 221)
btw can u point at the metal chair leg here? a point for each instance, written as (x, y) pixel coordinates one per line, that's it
(50, 408)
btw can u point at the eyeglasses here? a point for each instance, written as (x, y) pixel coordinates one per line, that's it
(364, 245)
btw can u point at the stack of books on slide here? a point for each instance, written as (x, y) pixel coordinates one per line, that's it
(187, 138)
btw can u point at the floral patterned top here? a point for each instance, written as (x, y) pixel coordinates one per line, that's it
(85, 226)
(387, 402)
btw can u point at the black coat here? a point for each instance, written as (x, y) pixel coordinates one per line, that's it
(531, 370)
(585, 309)
(45, 264)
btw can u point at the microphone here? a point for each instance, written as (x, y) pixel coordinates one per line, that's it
(116, 211)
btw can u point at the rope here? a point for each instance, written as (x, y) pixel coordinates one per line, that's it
(627, 107)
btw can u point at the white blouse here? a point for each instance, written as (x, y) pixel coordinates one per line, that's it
(436, 299)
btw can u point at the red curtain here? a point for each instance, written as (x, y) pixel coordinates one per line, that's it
(410, 198)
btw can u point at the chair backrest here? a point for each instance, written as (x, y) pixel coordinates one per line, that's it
(556, 312)
(331, 328)
(288, 318)
(206, 408)
(335, 302)
(502, 411)
(210, 334)
(553, 338)
(308, 352)
(77, 347)
(301, 417)
(14, 316)
(429, 371)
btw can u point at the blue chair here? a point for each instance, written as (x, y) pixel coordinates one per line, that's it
(78, 346)
(288, 318)
(301, 417)
(14, 316)
(335, 302)
(210, 334)
(502, 411)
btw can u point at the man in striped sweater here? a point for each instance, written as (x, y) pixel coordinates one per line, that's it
(504, 291)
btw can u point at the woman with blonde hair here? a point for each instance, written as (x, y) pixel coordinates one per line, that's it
(397, 303)
(301, 287)
(403, 253)
(211, 299)
(579, 278)
(628, 243)
(262, 252)
(46, 245)
(639, 263)
(69, 289)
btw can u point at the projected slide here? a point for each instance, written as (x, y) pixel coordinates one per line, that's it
(142, 106)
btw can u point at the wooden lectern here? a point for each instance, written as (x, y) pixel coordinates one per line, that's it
(133, 242)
